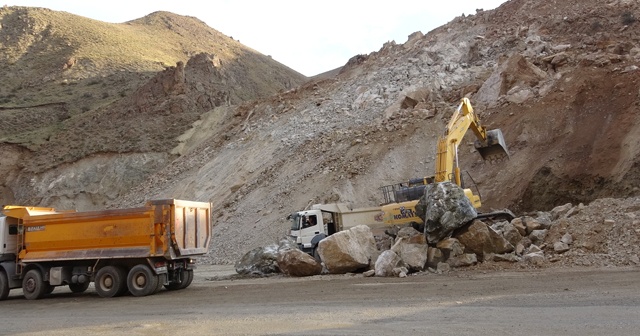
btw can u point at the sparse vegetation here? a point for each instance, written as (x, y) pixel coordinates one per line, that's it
(628, 18)
(94, 68)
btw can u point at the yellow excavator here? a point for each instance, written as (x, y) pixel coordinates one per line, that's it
(400, 199)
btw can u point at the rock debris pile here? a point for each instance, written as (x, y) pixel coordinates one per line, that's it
(603, 233)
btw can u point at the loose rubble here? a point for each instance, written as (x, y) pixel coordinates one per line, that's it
(604, 233)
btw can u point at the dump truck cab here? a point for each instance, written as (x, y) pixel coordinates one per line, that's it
(8, 238)
(309, 227)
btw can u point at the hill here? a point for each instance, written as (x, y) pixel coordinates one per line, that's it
(49, 55)
(74, 88)
(559, 79)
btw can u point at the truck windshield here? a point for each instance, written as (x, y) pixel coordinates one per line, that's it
(295, 222)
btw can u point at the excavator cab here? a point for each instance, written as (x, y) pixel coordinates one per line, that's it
(493, 147)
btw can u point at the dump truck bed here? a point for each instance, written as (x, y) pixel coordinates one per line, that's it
(170, 228)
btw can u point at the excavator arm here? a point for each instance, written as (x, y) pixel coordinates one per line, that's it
(490, 145)
(447, 151)
(400, 199)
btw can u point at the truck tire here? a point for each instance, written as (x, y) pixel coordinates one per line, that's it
(161, 280)
(4, 285)
(110, 281)
(316, 255)
(175, 285)
(33, 286)
(79, 287)
(141, 280)
(188, 280)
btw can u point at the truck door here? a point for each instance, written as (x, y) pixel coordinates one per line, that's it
(311, 226)
(8, 238)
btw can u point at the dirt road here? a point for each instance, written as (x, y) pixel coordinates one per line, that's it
(542, 302)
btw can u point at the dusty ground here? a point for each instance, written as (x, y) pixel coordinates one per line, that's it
(575, 301)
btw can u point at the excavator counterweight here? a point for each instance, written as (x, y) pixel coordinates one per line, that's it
(493, 147)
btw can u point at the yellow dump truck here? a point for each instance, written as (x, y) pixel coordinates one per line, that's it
(137, 250)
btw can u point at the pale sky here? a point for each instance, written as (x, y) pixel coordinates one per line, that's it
(309, 37)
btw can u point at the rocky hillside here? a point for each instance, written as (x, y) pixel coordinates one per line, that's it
(560, 80)
(90, 108)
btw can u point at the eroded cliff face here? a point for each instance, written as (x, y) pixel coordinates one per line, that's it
(94, 159)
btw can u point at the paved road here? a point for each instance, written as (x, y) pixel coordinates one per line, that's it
(547, 302)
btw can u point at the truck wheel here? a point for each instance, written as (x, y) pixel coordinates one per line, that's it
(161, 280)
(4, 285)
(33, 286)
(141, 280)
(187, 280)
(79, 287)
(178, 284)
(316, 255)
(110, 281)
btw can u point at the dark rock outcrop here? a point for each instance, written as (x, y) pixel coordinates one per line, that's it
(444, 208)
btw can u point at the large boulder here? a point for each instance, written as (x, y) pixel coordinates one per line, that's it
(294, 262)
(259, 261)
(538, 236)
(534, 258)
(526, 224)
(560, 211)
(479, 238)
(434, 257)
(386, 263)
(411, 235)
(511, 234)
(414, 256)
(444, 207)
(348, 251)
(450, 247)
(467, 259)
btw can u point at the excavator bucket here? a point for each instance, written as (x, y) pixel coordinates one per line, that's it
(494, 147)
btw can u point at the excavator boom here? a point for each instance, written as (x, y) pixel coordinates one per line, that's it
(490, 144)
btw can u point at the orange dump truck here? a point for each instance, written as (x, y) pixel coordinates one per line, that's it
(139, 250)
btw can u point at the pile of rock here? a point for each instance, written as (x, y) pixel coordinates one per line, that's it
(284, 257)
(451, 238)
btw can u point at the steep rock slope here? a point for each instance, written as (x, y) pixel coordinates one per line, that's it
(560, 80)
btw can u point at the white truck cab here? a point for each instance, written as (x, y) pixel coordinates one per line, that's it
(8, 252)
(309, 227)
(8, 238)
